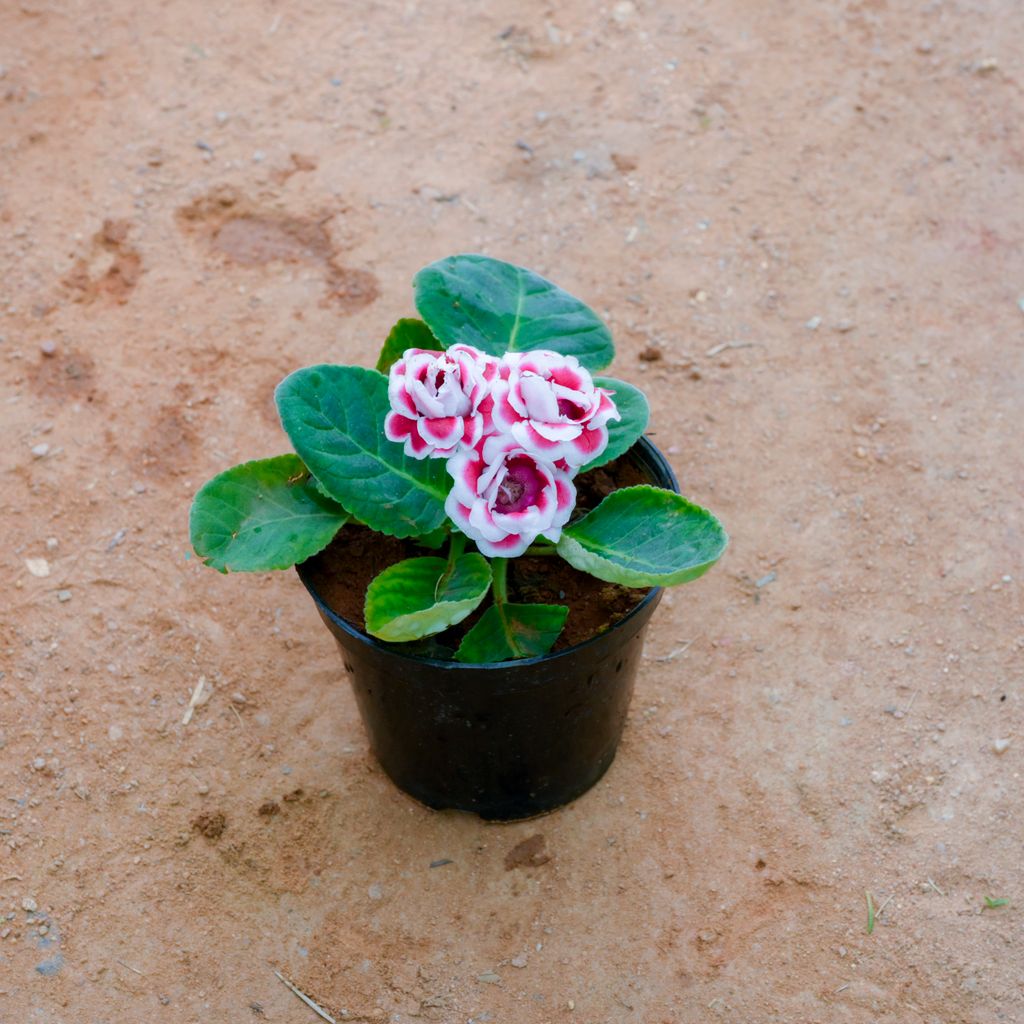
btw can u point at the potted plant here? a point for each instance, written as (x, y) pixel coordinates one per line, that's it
(483, 529)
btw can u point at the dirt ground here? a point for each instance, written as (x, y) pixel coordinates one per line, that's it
(813, 212)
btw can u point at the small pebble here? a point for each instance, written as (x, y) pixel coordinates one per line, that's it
(40, 450)
(623, 11)
(52, 543)
(38, 765)
(139, 487)
(238, 698)
(1000, 746)
(63, 596)
(29, 905)
(375, 892)
(520, 961)
(488, 978)
(5, 933)
(48, 968)
(202, 789)
(48, 347)
(845, 326)
(813, 324)
(222, 117)
(38, 567)
(43, 929)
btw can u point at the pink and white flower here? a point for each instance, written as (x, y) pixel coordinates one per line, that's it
(440, 401)
(504, 497)
(549, 404)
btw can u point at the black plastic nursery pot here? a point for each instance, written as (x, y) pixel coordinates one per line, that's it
(508, 740)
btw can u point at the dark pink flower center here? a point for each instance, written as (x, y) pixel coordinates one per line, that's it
(521, 486)
(571, 410)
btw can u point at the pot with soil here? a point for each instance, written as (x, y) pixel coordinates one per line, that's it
(484, 531)
(507, 739)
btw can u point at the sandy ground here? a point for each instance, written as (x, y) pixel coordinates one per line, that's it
(814, 211)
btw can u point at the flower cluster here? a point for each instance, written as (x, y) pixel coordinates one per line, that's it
(515, 431)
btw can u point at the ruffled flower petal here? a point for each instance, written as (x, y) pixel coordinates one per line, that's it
(443, 393)
(547, 401)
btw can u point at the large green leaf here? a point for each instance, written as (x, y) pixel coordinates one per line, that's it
(262, 515)
(498, 307)
(334, 416)
(419, 597)
(644, 537)
(507, 631)
(407, 333)
(623, 433)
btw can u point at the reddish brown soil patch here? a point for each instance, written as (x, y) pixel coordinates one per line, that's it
(112, 269)
(66, 374)
(250, 236)
(254, 240)
(352, 289)
(210, 824)
(169, 445)
(530, 853)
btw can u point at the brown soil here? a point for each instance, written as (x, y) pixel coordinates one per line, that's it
(811, 212)
(529, 853)
(210, 824)
(343, 570)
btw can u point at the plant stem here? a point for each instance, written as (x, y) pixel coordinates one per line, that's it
(456, 545)
(541, 549)
(499, 569)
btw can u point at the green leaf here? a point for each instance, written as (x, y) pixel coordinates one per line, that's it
(419, 597)
(993, 903)
(407, 333)
(498, 307)
(262, 515)
(436, 539)
(871, 912)
(624, 433)
(644, 537)
(334, 416)
(507, 631)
